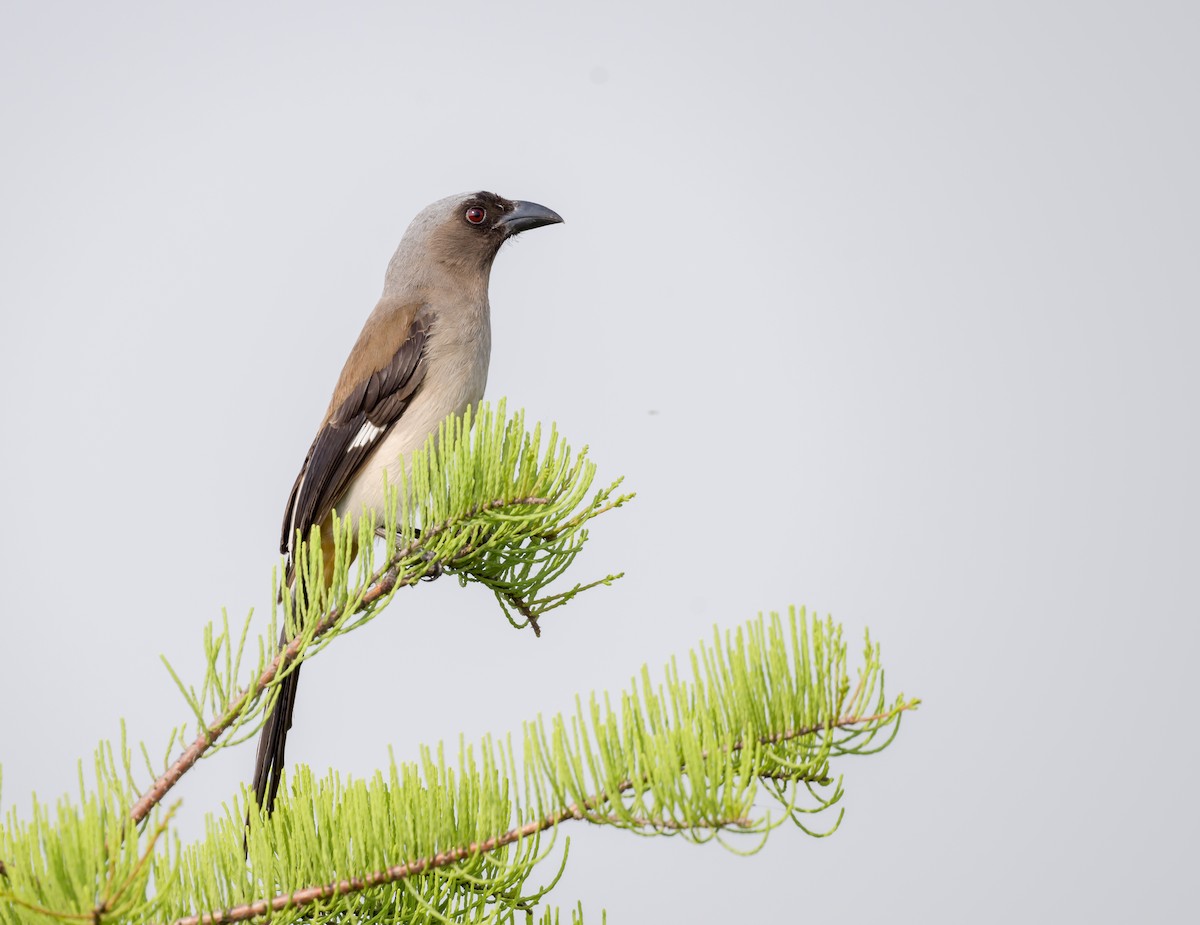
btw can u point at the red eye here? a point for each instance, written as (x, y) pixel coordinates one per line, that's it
(476, 215)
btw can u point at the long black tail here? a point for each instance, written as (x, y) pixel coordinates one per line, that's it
(273, 740)
(271, 743)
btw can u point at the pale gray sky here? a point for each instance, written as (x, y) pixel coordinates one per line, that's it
(884, 308)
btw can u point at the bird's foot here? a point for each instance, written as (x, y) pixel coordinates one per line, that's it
(435, 569)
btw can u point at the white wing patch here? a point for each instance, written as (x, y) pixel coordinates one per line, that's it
(367, 434)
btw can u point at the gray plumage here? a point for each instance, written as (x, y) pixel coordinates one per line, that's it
(422, 355)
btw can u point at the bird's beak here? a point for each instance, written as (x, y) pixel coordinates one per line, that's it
(528, 215)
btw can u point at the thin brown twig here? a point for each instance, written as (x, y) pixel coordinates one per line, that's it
(204, 741)
(381, 584)
(672, 825)
(839, 723)
(525, 611)
(580, 810)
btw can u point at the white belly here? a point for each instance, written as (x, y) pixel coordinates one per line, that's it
(452, 384)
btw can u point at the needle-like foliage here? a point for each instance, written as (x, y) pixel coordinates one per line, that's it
(754, 722)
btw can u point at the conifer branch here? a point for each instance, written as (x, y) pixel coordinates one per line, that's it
(509, 457)
(235, 709)
(582, 810)
(381, 584)
(767, 708)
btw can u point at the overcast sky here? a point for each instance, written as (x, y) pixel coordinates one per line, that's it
(889, 309)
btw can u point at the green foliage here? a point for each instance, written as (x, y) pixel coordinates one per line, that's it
(755, 723)
(486, 502)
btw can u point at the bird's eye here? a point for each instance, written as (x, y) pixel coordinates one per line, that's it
(476, 215)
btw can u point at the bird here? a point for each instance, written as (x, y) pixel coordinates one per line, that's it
(422, 355)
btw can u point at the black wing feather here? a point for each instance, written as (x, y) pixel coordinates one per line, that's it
(333, 460)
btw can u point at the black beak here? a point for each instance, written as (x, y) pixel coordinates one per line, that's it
(527, 215)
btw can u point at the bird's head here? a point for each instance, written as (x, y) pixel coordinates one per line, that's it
(464, 232)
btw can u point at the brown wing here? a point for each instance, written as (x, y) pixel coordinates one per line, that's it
(363, 414)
